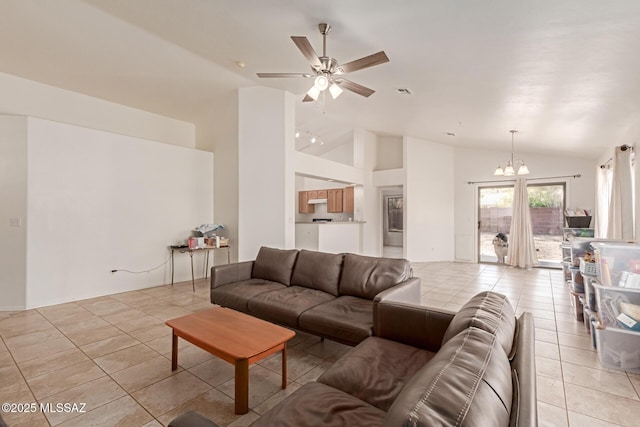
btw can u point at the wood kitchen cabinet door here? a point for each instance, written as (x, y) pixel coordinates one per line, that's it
(334, 200)
(303, 202)
(347, 200)
(322, 194)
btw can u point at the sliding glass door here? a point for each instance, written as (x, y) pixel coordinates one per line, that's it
(546, 201)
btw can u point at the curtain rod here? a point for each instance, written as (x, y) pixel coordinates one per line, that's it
(623, 147)
(513, 180)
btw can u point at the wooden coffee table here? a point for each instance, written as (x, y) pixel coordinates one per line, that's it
(234, 337)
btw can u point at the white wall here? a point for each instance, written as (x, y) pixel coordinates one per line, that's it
(478, 165)
(217, 131)
(429, 201)
(13, 212)
(366, 197)
(266, 184)
(29, 98)
(306, 164)
(389, 153)
(343, 153)
(99, 201)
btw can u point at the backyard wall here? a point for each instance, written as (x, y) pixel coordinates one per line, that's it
(547, 221)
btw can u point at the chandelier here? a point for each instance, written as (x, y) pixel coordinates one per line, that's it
(509, 169)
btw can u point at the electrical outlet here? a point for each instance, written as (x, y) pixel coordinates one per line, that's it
(15, 222)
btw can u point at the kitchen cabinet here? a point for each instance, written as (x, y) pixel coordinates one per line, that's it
(334, 200)
(347, 200)
(312, 194)
(322, 194)
(303, 202)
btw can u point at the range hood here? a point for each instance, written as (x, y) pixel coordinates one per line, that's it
(316, 201)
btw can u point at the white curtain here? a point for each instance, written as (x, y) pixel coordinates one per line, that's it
(621, 219)
(522, 250)
(604, 176)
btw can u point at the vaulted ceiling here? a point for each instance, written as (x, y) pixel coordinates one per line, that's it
(564, 73)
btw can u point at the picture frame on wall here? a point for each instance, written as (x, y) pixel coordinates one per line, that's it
(395, 209)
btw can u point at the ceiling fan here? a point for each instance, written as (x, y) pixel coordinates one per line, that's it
(326, 70)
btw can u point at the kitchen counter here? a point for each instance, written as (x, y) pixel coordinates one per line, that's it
(332, 222)
(333, 237)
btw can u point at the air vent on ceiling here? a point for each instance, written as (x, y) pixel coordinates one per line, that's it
(403, 91)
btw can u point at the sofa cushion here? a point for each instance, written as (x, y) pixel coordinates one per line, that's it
(275, 265)
(347, 319)
(237, 295)
(365, 277)
(318, 270)
(285, 305)
(489, 311)
(316, 404)
(467, 383)
(376, 370)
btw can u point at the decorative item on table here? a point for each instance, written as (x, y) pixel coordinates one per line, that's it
(207, 230)
(196, 242)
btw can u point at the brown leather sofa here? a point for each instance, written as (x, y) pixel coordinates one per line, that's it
(329, 295)
(426, 367)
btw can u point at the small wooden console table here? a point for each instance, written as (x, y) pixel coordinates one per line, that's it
(234, 337)
(191, 251)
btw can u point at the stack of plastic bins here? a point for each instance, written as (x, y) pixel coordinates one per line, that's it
(618, 300)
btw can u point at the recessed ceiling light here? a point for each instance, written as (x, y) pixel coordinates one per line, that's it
(240, 64)
(403, 91)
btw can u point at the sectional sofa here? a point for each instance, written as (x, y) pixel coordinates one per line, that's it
(329, 295)
(424, 367)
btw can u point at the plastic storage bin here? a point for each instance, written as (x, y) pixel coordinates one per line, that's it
(614, 303)
(569, 234)
(619, 264)
(618, 349)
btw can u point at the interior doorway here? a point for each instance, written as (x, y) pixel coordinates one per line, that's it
(546, 203)
(392, 222)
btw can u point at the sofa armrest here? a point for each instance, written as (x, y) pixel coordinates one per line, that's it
(407, 292)
(229, 273)
(411, 324)
(524, 406)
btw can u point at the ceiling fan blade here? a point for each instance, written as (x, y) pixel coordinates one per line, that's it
(307, 98)
(283, 75)
(355, 87)
(367, 61)
(307, 50)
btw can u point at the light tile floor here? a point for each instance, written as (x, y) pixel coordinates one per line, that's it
(113, 354)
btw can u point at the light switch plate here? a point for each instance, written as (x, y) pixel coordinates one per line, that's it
(15, 222)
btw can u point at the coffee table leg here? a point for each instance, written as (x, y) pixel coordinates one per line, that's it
(284, 366)
(242, 386)
(174, 351)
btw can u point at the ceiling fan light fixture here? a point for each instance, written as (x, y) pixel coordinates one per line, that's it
(314, 92)
(335, 90)
(321, 83)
